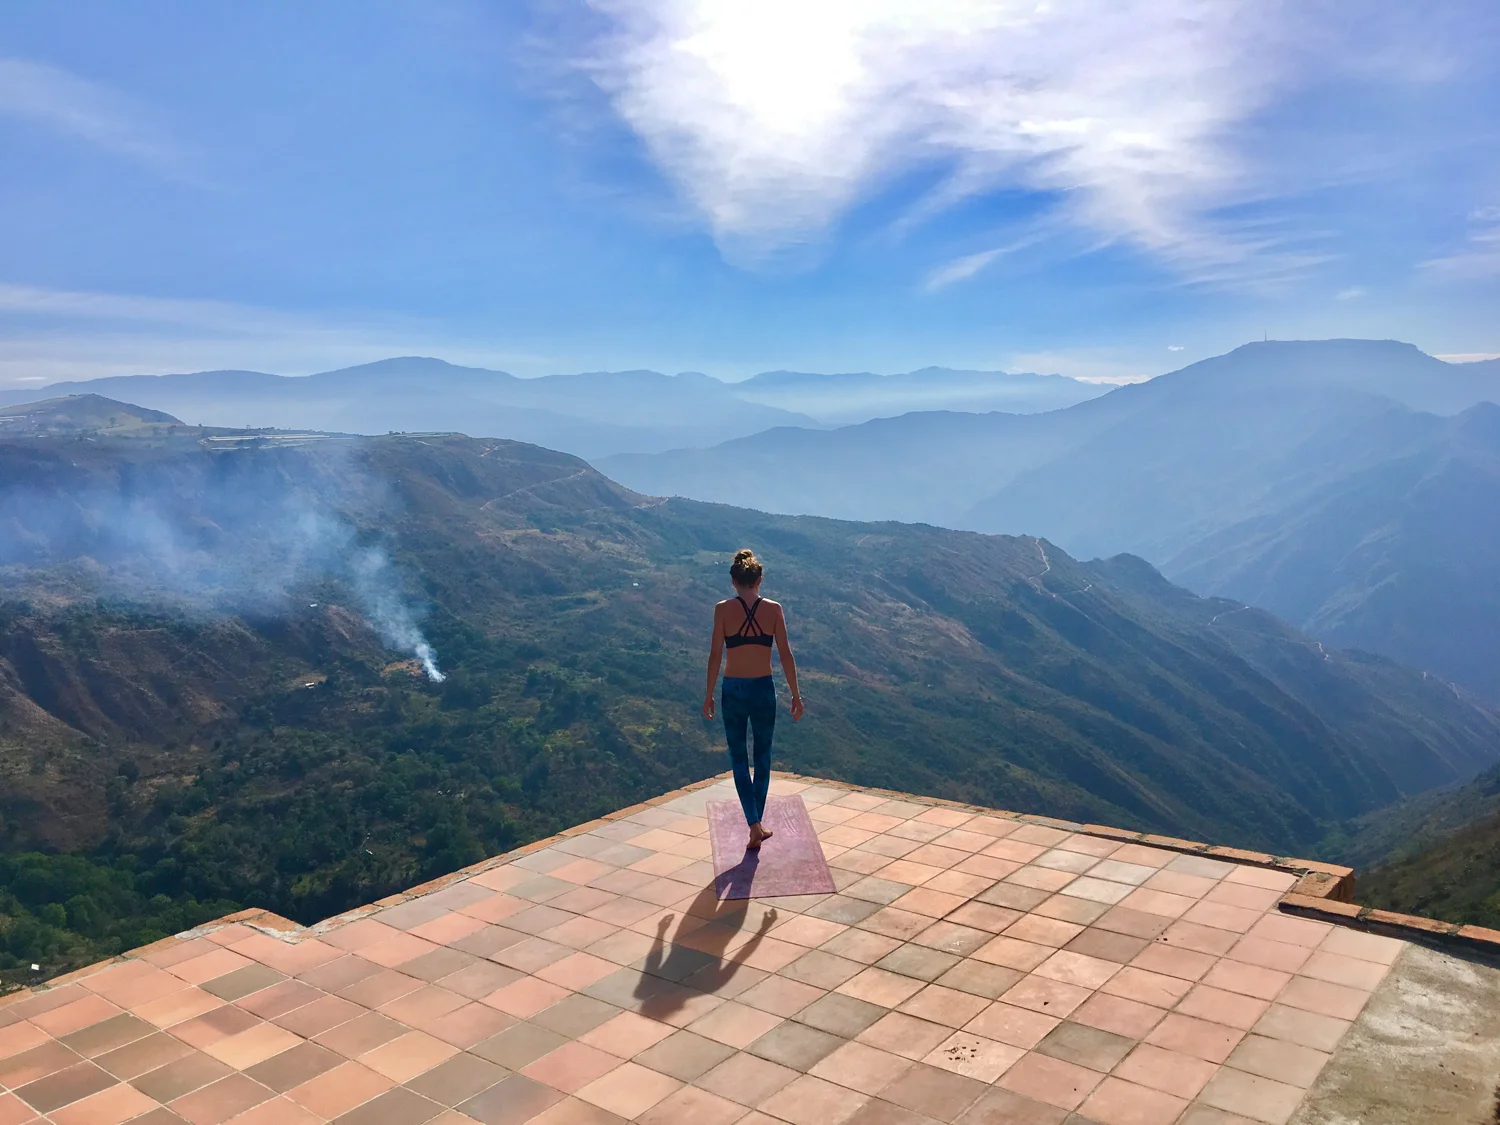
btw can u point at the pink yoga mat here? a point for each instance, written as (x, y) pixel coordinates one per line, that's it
(789, 863)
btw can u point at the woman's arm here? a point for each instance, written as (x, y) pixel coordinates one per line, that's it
(715, 657)
(788, 664)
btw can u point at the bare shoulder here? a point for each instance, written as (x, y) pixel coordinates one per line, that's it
(775, 608)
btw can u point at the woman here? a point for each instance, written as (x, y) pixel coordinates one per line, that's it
(746, 625)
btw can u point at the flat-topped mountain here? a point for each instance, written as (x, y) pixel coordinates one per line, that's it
(76, 414)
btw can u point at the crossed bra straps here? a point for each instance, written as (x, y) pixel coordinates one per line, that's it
(745, 636)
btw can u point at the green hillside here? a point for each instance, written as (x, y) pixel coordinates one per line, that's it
(194, 715)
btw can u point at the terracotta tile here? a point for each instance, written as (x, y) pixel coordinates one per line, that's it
(512, 1101)
(1239, 894)
(294, 1067)
(64, 1087)
(1275, 1058)
(494, 909)
(441, 962)
(909, 872)
(210, 1027)
(519, 1045)
(1145, 987)
(812, 1101)
(983, 916)
(108, 1107)
(684, 1056)
(1246, 875)
(1170, 961)
(339, 1090)
(933, 1092)
(973, 1056)
(480, 979)
(289, 957)
(20, 1037)
(143, 1055)
(860, 945)
(1040, 878)
(1367, 947)
(1181, 883)
(208, 966)
(861, 1067)
(279, 999)
(1086, 1046)
(1212, 1042)
(362, 1034)
(1117, 1014)
(1116, 1102)
(130, 983)
(821, 970)
(1323, 998)
(692, 1106)
(250, 1047)
(794, 1045)
(407, 1056)
(1260, 1099)
(468, 1025)
(1044, 931)
(904, 1035)
(1270, 954)
(394, 1107)
(980, 978)
(427, 1003)
(1195, 936)
(531, 954)
(379, 989)
(948, 1006)
(571, 1067)
(878, 986)
(221, 1100)
(1070, 909)
(987, 866)
(629, 1090)
(1157, 902)
(1236, 919)
(918, 962)
(181, 1076)
(525, 997)
(1014, 953)
(277, 1111)
(1050, 997)
(396, 950)
(1122, 868)
(1100, 891)
(1251, 980)
(1309, 1029)
(114, 1032)
(1040, 834)
(1006, 1023)
(955, 882)
(460, 1078)
(1075, 968)
(579, 970)
(321, 1015)
(1064, 859)
(1050, 1080)
(628, 1034)
(896, 923)
(1134, 923)
(1351, 972)
(1230, 1008)
(1172, 1072)
(76, 1016)
(733, 1024)
(1293, 931)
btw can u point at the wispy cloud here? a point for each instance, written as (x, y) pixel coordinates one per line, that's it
(776, 117)
(49, 96)
(1480, 256)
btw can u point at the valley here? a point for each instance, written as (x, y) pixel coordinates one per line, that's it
(196, 714)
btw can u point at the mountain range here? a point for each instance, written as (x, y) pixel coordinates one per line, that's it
(209, 696)
(592, 414)
(1340, 484)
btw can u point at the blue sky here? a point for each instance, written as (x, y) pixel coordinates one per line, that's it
(1106, 190)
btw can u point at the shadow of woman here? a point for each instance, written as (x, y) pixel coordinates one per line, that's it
(661, 992)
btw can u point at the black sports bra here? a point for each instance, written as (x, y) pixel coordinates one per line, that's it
(745, 636)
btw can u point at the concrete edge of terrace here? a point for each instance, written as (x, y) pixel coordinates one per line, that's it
(1323, 891)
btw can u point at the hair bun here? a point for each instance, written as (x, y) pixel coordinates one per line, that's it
(746, 569)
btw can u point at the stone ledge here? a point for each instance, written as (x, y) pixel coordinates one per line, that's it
(1407, 927)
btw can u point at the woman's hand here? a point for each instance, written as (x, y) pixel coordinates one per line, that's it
(708, 706)
(796, 708)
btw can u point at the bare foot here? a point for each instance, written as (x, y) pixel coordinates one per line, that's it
(757, 835)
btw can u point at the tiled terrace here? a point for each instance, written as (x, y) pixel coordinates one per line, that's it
(972, 968)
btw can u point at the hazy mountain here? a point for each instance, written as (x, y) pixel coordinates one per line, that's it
(206, 695)
(87, 413)
(1296, 476)
(852, 398)
(589, 414)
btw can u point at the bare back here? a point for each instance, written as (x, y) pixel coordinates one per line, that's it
(765, 619)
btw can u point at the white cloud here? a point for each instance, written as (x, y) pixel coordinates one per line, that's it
(776, 117)
(1174, 347)
(49, 96)
(1479, 258)
(1467, 357)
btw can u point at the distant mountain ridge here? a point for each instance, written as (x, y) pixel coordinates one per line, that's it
(591, 414)
(85, 413)
(1197, 471)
